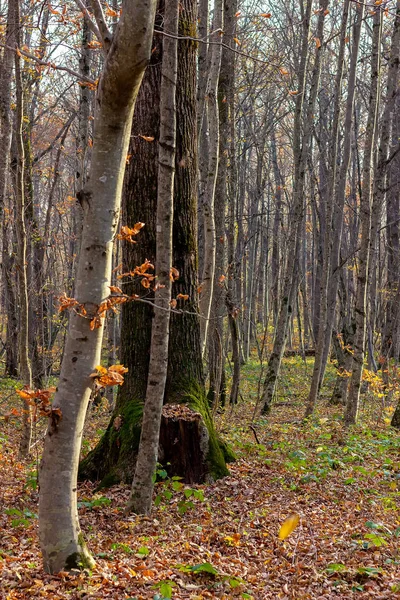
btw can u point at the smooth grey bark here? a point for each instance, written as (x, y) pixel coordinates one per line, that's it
(208, 164)
(61, 540)
(276, 233)
(352, 406)
(143, 482)
(340, 194)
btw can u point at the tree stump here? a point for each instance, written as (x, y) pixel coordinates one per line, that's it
(183, 446)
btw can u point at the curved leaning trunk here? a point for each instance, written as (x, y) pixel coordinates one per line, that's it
(59, 529)
(61, 540)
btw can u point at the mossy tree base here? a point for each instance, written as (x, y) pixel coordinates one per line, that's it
(113, 460)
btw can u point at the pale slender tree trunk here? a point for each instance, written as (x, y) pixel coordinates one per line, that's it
(322, 339)
(143, 481)
(353, 400)
(209, 154)
(276, 239)
(301, 146)
(62, 543)
(382, 168)
(6, 71)
(21, 263)
(340, 194)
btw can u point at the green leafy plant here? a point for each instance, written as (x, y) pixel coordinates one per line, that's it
(22, 517)
(207, 567)
(90, 504)
(165, 589)
(123, 547)
(336, 568)
(169, 487)
(31, 480)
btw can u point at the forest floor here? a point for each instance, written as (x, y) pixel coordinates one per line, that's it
(222, 541)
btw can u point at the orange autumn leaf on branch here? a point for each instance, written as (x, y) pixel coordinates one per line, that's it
(110, 12)
(26, 393)
(40, 399)
(67, 303)
(127, 233)
(173, 274)
(108, 377)
(115, 290)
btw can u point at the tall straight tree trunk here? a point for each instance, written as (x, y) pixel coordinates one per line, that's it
(388, 130)
(301, 145)
(21, 263)
(340, 193)
(322, 339)
(6, 71)
(143, 481)
(276, 250)
(380, 179)
(61, 540)
(337, 214)
(209, 152)
(216, 357)
(352, 406)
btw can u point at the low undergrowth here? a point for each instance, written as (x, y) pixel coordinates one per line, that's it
(221, 540)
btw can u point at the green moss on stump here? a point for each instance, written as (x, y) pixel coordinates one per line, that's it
(113, 459)
(196, 399)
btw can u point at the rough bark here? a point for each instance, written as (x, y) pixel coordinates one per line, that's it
(6, 71)
(143, 481)
(113, 459)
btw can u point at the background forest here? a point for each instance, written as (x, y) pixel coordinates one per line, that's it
(200, 236)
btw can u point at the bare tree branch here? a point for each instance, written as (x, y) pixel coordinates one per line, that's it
(51, 65)
(105, 33)
(91, 23)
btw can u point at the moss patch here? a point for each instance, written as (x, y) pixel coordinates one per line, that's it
(113, 459)
(80, 560)
(196, 398)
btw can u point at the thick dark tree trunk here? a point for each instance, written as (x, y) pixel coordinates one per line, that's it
(113, 459)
